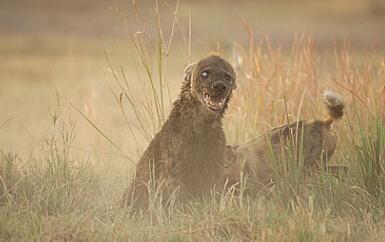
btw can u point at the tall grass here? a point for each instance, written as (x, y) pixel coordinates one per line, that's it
(57, 196)
(152, 112)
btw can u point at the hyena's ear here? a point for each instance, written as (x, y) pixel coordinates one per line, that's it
(235, 80)
(188, 72)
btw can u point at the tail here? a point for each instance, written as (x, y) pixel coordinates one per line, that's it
(335, 105)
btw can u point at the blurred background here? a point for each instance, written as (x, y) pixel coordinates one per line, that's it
(51, 49)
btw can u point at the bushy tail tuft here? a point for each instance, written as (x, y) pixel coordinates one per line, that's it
(335, 105)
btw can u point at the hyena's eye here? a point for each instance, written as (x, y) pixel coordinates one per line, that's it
(205, 74)
(228, 77)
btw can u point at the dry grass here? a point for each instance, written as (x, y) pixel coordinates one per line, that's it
(63, 193)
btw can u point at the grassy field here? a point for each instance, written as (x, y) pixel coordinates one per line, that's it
(81, 98)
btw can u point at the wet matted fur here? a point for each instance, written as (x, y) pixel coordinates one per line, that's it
(187, 155)
(314, 140)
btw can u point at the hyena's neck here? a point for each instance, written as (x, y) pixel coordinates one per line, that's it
(190, 110)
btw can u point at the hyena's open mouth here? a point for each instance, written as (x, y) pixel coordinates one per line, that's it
(214, 102)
